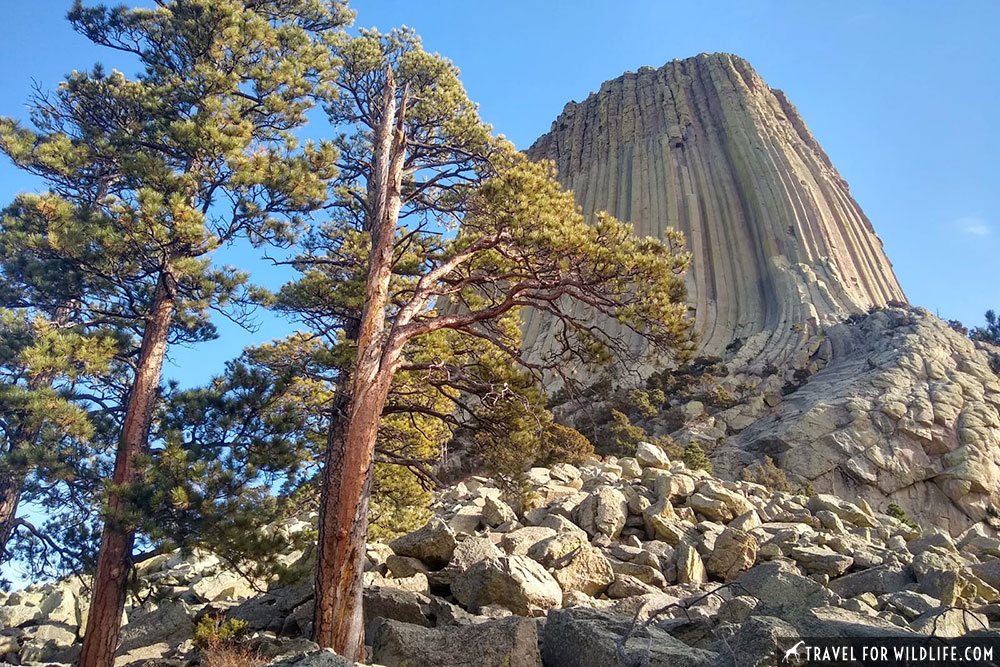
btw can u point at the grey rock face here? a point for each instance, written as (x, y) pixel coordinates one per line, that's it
(877, 580)
(516, 583)
(433, 544)
(705, 146)
(504, 642)
(587, 638)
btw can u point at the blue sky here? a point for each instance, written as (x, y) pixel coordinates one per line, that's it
(903, 97)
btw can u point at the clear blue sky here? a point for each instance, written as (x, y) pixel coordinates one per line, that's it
(902, 95)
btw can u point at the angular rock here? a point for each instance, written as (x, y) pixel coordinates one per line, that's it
(518, 542)
(758, 641)
(584, 569)
(553, 549)
(434, 543)
(503, 642)
(587, 638)
(516, 583)
(650, 456)
(734, 553)
(496, 512)
(690, 567)
(603, 512)
(395, 604)
(625, 586)
(169, 622)
(877, 580)
(844, 510)
(782, 591)
(821, 560)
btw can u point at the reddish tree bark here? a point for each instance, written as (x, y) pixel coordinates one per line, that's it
(10, 495)
(347, 476)
(115, 558)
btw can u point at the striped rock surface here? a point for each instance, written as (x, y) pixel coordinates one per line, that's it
(705, 146)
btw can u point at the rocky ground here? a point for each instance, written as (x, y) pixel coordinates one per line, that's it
(597, 565)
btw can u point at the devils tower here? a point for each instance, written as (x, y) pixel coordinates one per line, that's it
(704, 145)
(827, 370)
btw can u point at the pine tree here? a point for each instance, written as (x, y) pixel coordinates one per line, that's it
(989, 333)
(159, 171)
(385, 274)
(59, 383)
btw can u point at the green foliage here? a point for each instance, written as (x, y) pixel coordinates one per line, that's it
(990, 333)
(767, 474)
(212, 632)
(562, 444)
(695, 459)
(146, 177)
(898, 513)
(643, 404)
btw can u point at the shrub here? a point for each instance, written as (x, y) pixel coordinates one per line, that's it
(615, 434)
(642, 403)
(562, 444)
(212, 632)
(989, 333)
(898, 513)
(718, 396)
(767, 474)
(959, 327)
(695, 459)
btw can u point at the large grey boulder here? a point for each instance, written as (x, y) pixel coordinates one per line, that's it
(837, 622)
(518, 542)
(516, 583)
(735, 552)
(847, 512)
(553, 549)
(268, 611)
(949, 622)
(503, 642)
(650, 456)
(434, 544)
(321, 658)
(395, 604)
(821, 560)
(782, 591)
(496, 512)
(603, 512)
(578, 637)
(988, 571)
(757, 642)
(690, 567)
(585, 569)
(877, 580)
(171, 623)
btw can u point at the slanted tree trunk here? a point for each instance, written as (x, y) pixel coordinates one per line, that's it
(115, 558)
(347, 476)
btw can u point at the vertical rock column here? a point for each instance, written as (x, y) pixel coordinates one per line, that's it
(704, 145)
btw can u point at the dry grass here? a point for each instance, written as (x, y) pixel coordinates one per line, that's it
(231, 656)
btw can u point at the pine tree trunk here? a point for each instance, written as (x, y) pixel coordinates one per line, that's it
(347, 476)
(115, 558)
(10, 495)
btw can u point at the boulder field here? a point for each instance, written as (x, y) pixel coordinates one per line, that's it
(590, 565)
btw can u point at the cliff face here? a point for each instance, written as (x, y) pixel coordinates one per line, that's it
(891, 405)
(705, 146)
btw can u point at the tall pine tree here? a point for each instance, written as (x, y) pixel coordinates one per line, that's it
(160, 171)
(441, 230)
